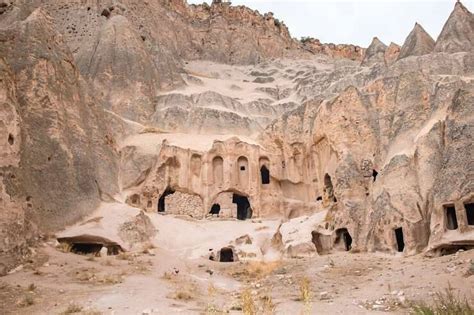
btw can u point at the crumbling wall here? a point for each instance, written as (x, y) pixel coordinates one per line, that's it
(184, 204)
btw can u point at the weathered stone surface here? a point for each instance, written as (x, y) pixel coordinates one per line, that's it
(184, 108)
(458, 32)
(375, 53)
(392, 53)
(60, 155)
(418, 43)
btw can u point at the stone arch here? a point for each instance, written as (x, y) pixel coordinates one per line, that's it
(244, 210)
(343, 239)
(264, 171)
(162, 201)
(243, 171)
(195, 164)
(218, 170)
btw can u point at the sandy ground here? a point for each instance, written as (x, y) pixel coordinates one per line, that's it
(176, 277)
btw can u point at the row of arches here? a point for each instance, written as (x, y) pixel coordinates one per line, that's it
(242, 169)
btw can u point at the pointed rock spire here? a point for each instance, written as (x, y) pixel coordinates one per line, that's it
(458, 31)
(418, 43)
(375, 53)
(392, 53)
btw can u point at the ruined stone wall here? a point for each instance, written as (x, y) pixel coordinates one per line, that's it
(184, 204)
(230, 167)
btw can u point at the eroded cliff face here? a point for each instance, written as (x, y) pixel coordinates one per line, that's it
(374, 145)
(389, 143)
(59, 156)
(183, 109)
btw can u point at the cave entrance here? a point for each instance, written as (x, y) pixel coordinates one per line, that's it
(161, 202)
(469, 213)
(328, 188)
(226, 255)
(344, 237)
(89, 245)
(265, 175)
(451, 218)
(244, 211)
(400, 239)
(215, 209)
(86, 249)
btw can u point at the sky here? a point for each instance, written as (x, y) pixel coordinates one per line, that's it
(356, 22)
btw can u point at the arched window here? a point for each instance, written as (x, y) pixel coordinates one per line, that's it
(265, 175)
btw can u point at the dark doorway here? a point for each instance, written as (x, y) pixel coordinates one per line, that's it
(342, 235)
(400, 240)
(374, 174)
(319, 198)
(469, 213)
(227, 255)
(161, 202)
(451, 218)
(244, 211)
(265, 174)
(328, 188)
(215, 209)
(86, 249)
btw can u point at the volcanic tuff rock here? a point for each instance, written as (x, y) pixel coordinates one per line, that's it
(374, 53)
(61, 156)
(134, 100)
(418, 43)
(458, 32)
(392, 53)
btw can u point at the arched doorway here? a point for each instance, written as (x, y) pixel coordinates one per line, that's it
(265, 175)
(244, 211)
(161, 202)
(343, 239)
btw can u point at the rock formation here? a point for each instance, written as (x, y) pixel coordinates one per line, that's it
(418, 43)
(458, 32)
(59, 156)
(374, 53)
(215, 111)
(392, 53)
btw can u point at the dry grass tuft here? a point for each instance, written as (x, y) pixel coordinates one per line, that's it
(64, 247)
(445, 303)
(305, 290)
(31, 287)
(248, 304)
(125, 256)
(268, 305)
(306, 295)
(255, 269)
(26, 300)
(183, 295)
(72, 309)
